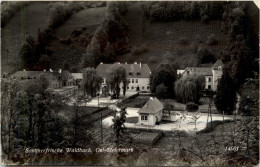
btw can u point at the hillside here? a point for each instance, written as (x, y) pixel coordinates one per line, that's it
(85, 21)
(173, 41)
(24, 23)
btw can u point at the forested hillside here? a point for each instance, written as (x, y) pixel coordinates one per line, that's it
(85, 34)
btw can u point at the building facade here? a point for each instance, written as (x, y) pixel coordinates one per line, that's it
(151, 113)
(212, 74)
(137, 76)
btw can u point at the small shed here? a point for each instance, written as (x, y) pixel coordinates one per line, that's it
(151, 112)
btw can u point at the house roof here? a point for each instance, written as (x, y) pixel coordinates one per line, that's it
(217, 64)
(200, 70)
(26, 74)
(153, 106)
(136, 70)
(33, 75)
(77, 75)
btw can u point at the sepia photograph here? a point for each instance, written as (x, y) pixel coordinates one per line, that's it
(130, 83)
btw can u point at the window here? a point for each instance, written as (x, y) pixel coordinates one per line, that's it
(138, 73)
(144, 117)
(130, 73)
(128, 87)
(219, 68)
(209, 79)
(132, 87)
(148, 87)
(133, 80)
(143, 88)
(136, 81)
(209, 86)
(188, 72)
(129, 81)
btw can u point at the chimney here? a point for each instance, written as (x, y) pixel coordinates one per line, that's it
(60, 70)
(51, 70)
(118, 62)
(135, 62)
(151, 98)
(125, 62)
(24, 69)
(140, 64)
(44, 70)
(101, 62)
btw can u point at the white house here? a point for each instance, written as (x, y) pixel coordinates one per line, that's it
(136, 74)
(212, 74)
(151, 112)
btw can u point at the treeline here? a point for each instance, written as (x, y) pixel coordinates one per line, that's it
(8, 9)
(169, 11)
(110, 38)
(238, 56)
(31, 119)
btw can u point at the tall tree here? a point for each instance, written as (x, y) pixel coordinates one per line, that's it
(188, 89)
(225, 99)
(164, 73)
(116, 76)
(91, 81)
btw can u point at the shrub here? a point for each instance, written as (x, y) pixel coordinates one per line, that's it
(161, 91)
(66, 41)
(205, 55)
(212, 40)
(139, 50)
(75, 33)
(192, 107)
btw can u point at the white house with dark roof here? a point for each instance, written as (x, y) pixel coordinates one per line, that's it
(151, 112)
(212, 74)
(137, 75)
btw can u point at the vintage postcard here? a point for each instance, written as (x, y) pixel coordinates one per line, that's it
(130, 83)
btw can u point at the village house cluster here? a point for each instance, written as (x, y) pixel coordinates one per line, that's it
(66, 84)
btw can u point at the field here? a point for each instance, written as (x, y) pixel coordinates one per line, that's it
(24, 23)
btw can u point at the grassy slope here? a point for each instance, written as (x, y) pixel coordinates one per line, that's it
(24, 23)
(88, 19)
(162, 39)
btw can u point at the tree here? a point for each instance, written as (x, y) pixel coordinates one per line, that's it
(164, 73)
(43, 82)
(45, 61)
(118, 124)
(91, 81)
(225, 99)
(188, 89)
(205, 55)
(161, 91)
(116, 76)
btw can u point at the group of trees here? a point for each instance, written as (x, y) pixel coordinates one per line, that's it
(31, 119)
(91, 82)
(162, 80)
(35, 53)
(188, 89)
(116, 77)
(168, 11)
(110, 38)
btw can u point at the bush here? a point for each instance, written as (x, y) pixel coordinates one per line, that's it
(192, 107)
(66, 41)
(139, 50)
(212, 40)
(205, 55)
(161, 91)
(75, 33)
